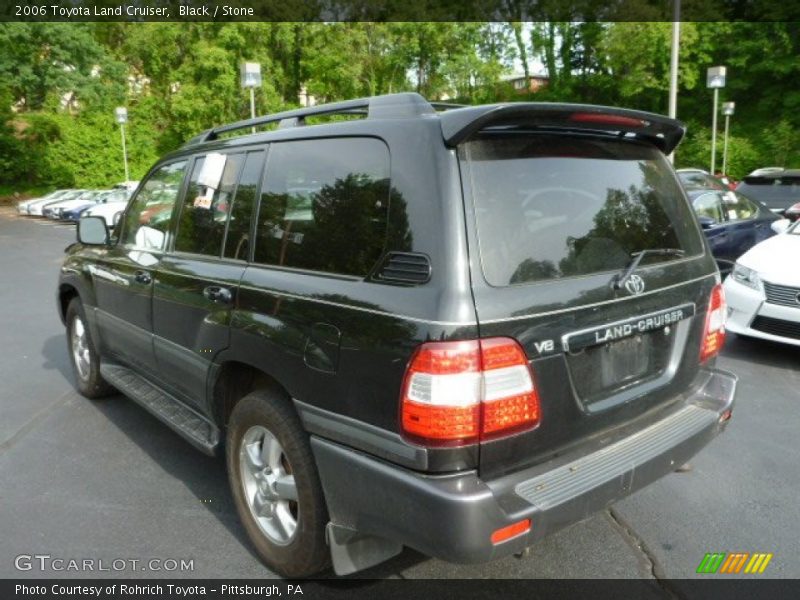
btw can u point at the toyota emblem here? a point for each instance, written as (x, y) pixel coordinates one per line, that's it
(634, 285)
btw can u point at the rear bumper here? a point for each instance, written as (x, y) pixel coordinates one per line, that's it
(453, 517)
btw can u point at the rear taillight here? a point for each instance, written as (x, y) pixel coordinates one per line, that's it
(714, 332)
(457, 393)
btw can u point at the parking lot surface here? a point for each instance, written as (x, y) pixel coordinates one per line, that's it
(104, 480)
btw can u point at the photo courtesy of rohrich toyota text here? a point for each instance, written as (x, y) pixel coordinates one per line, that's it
(356, 299)
(169, 590)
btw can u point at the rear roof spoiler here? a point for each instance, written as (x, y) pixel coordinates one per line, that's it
(662, 132)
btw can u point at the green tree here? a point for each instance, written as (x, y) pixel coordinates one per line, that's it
(58, 61)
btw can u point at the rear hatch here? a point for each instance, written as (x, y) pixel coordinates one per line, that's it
(558, 215)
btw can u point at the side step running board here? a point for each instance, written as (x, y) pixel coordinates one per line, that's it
(196, 429)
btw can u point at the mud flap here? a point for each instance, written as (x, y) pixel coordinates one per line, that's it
(352, 551)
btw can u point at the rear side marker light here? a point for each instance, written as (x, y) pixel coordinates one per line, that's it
(714, 331)
(458, 393)
(506, 533)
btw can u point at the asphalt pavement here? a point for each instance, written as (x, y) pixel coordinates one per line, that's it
(103, 480)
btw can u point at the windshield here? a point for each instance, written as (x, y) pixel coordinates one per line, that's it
(549, 207)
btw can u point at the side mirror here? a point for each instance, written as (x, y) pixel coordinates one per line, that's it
(117, 218)
(706, 222)
(780, 226)
(92, 231)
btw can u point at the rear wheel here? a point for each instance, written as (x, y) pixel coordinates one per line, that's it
(275, 485)
(83, 354)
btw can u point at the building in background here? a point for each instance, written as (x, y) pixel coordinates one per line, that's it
(534, 82)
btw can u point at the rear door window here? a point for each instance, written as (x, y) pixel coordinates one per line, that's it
(237, 238)
(738, 208)
(549, 207)
(204, 215)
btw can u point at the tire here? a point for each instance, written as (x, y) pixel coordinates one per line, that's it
(276, 486)
(83, 355)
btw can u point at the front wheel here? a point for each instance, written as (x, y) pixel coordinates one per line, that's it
(275, 485)
(83, 354)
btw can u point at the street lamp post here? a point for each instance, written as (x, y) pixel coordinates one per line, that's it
(727, 110)
(673, 63)
(251, 78)
(121, 114)
(715, 79)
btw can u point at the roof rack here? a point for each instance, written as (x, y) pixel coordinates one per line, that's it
(390, 106)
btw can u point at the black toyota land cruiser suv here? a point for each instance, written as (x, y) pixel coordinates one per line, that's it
(456, 329)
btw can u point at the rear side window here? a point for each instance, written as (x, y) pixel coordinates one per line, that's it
(549, 207)
(324, 205)
(201, 227)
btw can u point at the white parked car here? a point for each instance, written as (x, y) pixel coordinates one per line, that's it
(763, 290)
(36, 208)
(107, 211)
(22, 207)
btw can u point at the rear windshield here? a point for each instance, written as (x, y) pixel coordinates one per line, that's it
(551, 206)
(695, 180)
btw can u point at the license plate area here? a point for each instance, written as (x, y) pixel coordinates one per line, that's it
(601, 371)
(606, 361)
(625, 360)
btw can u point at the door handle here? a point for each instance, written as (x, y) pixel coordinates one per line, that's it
(142, 277)
(219, 294)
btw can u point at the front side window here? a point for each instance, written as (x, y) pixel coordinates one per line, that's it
(709, 205)
(147, 219)
(324, 205)
(554, 206)
(204, 214)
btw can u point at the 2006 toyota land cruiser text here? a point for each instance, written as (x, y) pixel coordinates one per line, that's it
(456, 329)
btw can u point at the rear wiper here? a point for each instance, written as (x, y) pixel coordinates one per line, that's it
(620, 279)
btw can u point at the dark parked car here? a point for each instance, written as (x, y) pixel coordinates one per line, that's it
(777, 188)
(732, 223)
(457, 331)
